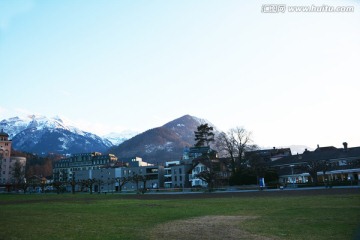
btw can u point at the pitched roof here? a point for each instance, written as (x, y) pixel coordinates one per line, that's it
(326, 153)
(269, 153)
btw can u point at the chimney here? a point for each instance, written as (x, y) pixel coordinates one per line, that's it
(345, 145)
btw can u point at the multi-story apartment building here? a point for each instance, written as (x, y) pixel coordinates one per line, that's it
(176, 174)
(108, 179)
(64, 169)
(8, 162)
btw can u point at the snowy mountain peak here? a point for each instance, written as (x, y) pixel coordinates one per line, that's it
(40, 134)
(17, 124)
(118, 138)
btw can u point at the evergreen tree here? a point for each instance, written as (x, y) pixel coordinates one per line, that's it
(204, 135)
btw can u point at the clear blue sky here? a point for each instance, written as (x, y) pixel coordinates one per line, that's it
(290, 78)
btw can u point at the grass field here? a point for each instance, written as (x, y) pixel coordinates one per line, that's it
(84, 216)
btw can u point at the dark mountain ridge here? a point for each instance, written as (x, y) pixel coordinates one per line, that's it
(160, 144)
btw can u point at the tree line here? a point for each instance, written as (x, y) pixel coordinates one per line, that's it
(40, 184)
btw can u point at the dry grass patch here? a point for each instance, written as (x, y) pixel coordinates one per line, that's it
(207, 227)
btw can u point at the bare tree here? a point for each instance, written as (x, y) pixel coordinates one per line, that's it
(121, 182)
(136, 178)
(73, 183)
(144, 179)
(234, 144)
(89, 183)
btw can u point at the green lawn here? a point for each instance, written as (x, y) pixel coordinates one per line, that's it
(86, 216)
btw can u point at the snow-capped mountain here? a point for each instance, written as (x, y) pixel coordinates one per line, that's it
(43, 135)
(15, 125)
(117, 138)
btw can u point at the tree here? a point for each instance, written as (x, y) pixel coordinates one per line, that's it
(99, 182)
(210, 177)
(204, 135)
(226, 145)
(89, 183)
(258, 165)
(73, 183)
(121, 182)
(233, 145)
(24, 186)
(136, 178)
(58, 186)
(18, 173)
(143, 179)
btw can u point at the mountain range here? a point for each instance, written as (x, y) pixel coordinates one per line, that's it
(43, 135)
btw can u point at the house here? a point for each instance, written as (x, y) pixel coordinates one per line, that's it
(204, 159)
(270, 155)
(324, 164)
(218, 166)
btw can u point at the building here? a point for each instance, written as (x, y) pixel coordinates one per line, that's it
(205, 159)
(63, 169)
(154, 176)
(135, 162)
(192, 153)
(270, 155)
(324, 163)
(107, 179)
(216, 165)
(5, 153)
(176, 174)
(12, 168)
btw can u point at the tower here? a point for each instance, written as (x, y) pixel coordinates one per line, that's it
(5, 159)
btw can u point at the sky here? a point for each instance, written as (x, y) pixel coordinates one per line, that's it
(108, 66)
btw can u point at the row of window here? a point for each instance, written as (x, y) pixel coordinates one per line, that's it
(199, 169)
(97, 162)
